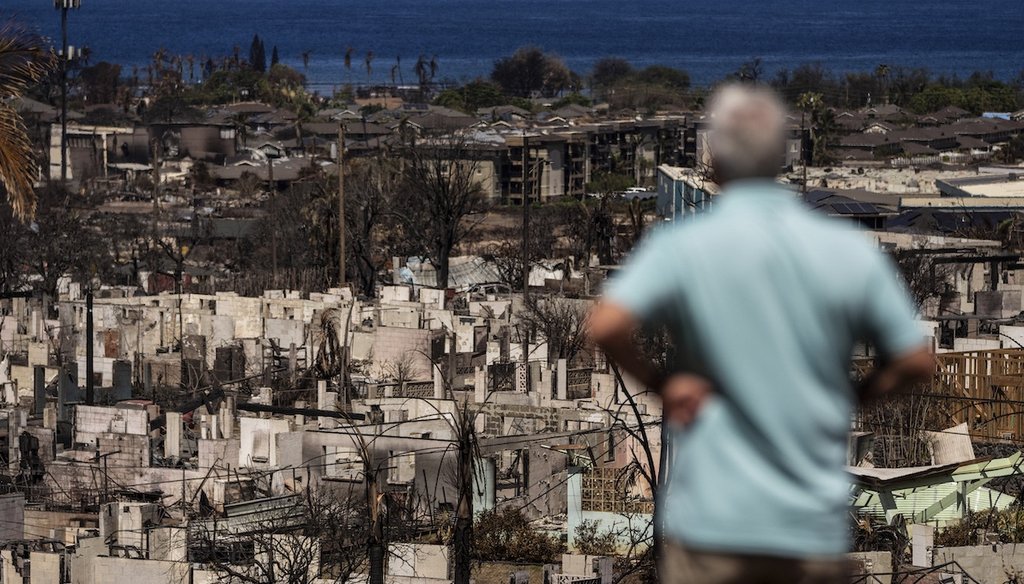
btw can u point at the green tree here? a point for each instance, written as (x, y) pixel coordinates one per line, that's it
(591, 541)
(572, 99)
(282, 79)
(505, 535)
(472, 96)
(452, 98)
(257, 55)
(530, 71)
(610, 71)
(171, 108)
(226, 85)
(663, 76)
(934, 98)
(609, 183)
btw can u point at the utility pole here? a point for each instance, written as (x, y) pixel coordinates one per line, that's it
(156, 188)
(64, 6)
(273, 228)
(375, 549)
(451, 365)
(89, 388)
(341, 205)
(803, 152)
(526, 218)
(103, 458)
(524, 333)
(463, 536)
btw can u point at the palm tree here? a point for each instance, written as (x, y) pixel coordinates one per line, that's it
(240, 123)
(421, 71)
(348, 63)
(882, 72)
(814, 104)
(24, 60)
(369, 66)
(304, 111)
(396, 73)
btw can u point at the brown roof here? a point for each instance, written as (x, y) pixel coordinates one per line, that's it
(248, 107)
(915, 149)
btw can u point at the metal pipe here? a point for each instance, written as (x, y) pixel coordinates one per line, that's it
(311, 412)
(341, 205)
(64, 92)
(89, 386)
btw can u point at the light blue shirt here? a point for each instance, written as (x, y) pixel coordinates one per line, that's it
(767, 299)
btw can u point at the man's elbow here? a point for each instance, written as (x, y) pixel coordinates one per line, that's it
(912, 368)
(609, 325)
(601, 335)
(919, 366)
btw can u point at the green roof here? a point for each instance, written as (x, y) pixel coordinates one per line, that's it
(910, 502)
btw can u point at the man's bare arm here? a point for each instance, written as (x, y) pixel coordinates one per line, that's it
(683, 394)
(897, 374)
(612, 327)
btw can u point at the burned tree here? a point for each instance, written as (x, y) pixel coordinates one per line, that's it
(508, 250)
(371, 189)
(60, 242)
(301, 539)
(924, 278)
(561, 322)
(440, 194)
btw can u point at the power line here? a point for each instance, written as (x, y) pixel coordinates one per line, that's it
(567, 477)
(259, 473)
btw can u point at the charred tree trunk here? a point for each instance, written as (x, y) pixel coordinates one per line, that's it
(463, 536)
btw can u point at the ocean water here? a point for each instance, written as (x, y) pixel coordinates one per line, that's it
(707, 38)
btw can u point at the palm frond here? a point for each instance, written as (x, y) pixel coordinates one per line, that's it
(24, 60)
(17, 165)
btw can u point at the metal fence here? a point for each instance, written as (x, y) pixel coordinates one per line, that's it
(606, 490)
(420, 389)
(578, 383)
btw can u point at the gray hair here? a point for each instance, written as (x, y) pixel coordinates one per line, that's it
(748, 132)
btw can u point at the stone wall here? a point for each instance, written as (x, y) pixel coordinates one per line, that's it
(988, 564)
(101, 569)
(873, 564)
(12, 510)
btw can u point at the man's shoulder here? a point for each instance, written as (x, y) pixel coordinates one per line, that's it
(670, 234)
(835, 235)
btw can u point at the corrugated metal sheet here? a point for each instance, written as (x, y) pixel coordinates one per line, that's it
(913, 501)
(951, 445)
(463, 272)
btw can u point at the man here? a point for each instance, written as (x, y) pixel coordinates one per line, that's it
(765, 301)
